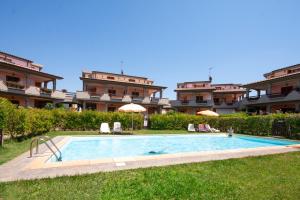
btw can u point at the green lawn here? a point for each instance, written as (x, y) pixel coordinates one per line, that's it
(12, 149)
(267, 177)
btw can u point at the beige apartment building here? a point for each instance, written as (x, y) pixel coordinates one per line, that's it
(193, 97)
(105, 91)
(24, 83)
(278, 92)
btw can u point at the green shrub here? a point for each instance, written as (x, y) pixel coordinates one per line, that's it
(5, 108)
(39, 121)
(16, 123)
(241, 123)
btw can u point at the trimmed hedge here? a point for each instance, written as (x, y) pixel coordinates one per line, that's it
(19, 122)
(253, 125)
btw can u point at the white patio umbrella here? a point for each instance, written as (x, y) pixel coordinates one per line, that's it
(208, 113)
(133, 108)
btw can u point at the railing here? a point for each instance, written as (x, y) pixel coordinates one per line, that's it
(46, 91)
(254, 98)
(45, 139)
(185, 102)
(14, 85)
(201, 101)
(276, 95)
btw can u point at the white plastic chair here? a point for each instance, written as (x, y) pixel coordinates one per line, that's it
(191, 128)
(117, 127)
(104, 128)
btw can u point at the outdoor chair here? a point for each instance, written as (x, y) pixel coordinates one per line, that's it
(202, 128)
(191, 128)
(104, 128)
(213, 130)
(117, 127)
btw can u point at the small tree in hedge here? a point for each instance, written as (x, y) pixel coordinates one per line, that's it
(6, 107)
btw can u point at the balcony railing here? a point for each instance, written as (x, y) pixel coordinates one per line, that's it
(201, 101)
(185, 102)
(269, 98)
(85, 95)
(276, 95)
(46, 91)
(14, 85)
(253, 98)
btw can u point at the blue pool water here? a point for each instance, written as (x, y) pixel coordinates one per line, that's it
(90, 148)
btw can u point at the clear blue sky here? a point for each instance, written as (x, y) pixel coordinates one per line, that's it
(168, 41)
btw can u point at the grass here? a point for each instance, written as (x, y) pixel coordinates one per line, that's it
(266, 177)
(12, 149)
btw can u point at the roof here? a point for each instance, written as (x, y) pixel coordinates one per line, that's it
(203, 89)
(115, 74)
(280, 69)
(121, 82)
(194, 82)
(16, 56)
(9, 66)
(224, 84)
(240, 90)
(263, 83)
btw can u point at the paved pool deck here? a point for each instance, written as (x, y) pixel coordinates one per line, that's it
(25, 168)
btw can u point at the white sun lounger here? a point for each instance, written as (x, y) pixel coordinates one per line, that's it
(207, 126)
(104, 128)
(117, 127)
(191, 128)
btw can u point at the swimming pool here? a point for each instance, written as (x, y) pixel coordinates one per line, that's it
(101, 147)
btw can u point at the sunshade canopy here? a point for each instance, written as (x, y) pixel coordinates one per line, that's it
(132, 108)
(208, 113)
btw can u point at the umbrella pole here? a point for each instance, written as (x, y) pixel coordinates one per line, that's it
(132, 121)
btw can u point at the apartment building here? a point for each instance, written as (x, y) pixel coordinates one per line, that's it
(105, 91)
(24, 83)
(278, 92)
(193, 97)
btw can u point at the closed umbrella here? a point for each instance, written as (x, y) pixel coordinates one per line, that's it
(208, 113)
(133, 108)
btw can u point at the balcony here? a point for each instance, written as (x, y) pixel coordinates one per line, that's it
(276, 95)
(16, 88)
(45, 92)
(227, 105)
(273, 98)
(84, 95)
(192, 103)
(14, 85)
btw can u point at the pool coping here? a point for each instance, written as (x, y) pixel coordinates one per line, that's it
(24, 167)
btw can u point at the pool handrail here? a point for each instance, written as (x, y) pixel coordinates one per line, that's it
(45, 139)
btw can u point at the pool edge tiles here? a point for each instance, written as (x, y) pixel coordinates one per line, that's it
(37, 167)
(62, 145)
(92, 148)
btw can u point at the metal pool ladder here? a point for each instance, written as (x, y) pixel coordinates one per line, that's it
(45, 139)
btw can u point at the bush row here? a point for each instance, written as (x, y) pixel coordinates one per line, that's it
(27, 122)
(18, 122)
(254, 125)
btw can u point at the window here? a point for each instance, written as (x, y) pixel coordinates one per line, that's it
(135, 94)
(91, 106)
(111, 109)
(131, 80)
(92, 90)
(16, 102)
(12, 79)
(216, 100)
(111, 77)
(38, 84)
(199, 99)
(112, 92)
